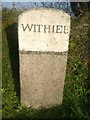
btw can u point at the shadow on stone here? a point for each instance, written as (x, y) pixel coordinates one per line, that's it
(12, 39)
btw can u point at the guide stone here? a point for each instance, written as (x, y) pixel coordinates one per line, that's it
(43, 46)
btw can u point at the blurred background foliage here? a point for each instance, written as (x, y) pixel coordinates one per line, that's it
(76, 91)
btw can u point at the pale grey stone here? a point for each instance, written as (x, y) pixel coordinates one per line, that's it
(43, 56)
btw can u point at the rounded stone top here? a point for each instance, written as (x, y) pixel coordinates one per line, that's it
(42, 9)
(44, 29)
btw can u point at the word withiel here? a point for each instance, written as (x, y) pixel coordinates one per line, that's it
(45, 28)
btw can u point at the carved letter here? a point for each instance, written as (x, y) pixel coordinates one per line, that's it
(58, 29)
(65, 29)
(46, 27)
(39, 27)
(27, 27)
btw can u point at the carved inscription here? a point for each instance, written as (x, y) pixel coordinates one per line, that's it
(45, 28)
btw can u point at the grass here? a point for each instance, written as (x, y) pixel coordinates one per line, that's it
(76, 90)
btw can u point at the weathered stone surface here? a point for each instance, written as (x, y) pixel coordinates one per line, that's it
(53, 34)
(43, 46)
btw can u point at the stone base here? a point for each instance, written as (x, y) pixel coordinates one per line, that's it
(42, 78)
